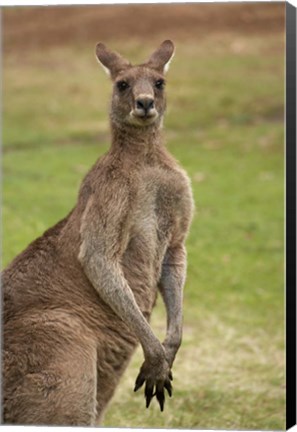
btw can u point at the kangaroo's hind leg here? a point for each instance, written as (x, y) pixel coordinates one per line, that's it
(51, 381)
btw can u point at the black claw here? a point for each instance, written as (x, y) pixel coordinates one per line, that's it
(139, 382)
(168, 387)
(148, 392)
(160, 395)
(161, 400)
(170, 376)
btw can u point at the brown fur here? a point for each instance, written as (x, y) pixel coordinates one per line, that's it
(78, 299)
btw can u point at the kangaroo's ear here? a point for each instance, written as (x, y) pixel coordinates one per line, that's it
(111, 61)
(162, 57)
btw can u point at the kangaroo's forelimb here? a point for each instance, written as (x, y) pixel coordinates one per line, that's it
(100, 253)
(171, 287)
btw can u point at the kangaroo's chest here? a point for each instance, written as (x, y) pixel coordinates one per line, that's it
(157, 209)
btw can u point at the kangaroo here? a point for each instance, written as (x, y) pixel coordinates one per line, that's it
(78, 300)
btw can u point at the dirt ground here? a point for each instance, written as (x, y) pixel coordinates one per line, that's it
(41, 27)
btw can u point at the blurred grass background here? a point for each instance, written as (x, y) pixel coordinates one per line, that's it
(225, 125)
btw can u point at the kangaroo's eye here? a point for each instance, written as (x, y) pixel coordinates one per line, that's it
(160, 84)
(122, 85)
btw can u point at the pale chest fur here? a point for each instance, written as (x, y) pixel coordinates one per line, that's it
(163, 201)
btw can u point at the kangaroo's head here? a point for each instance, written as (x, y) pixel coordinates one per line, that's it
(138, 91)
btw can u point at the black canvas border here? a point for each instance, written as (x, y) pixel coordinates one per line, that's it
(290, 215)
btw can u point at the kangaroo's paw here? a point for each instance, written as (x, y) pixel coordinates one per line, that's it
(156, 379)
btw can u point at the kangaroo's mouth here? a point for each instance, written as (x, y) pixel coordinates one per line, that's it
(142, 119)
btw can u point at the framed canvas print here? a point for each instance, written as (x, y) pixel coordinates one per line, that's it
(149, 170)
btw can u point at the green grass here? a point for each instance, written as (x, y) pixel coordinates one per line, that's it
(224, 124)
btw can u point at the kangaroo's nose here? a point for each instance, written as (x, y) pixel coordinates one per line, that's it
(145, 103)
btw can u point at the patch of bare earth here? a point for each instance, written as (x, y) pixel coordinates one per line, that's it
(41, 27)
